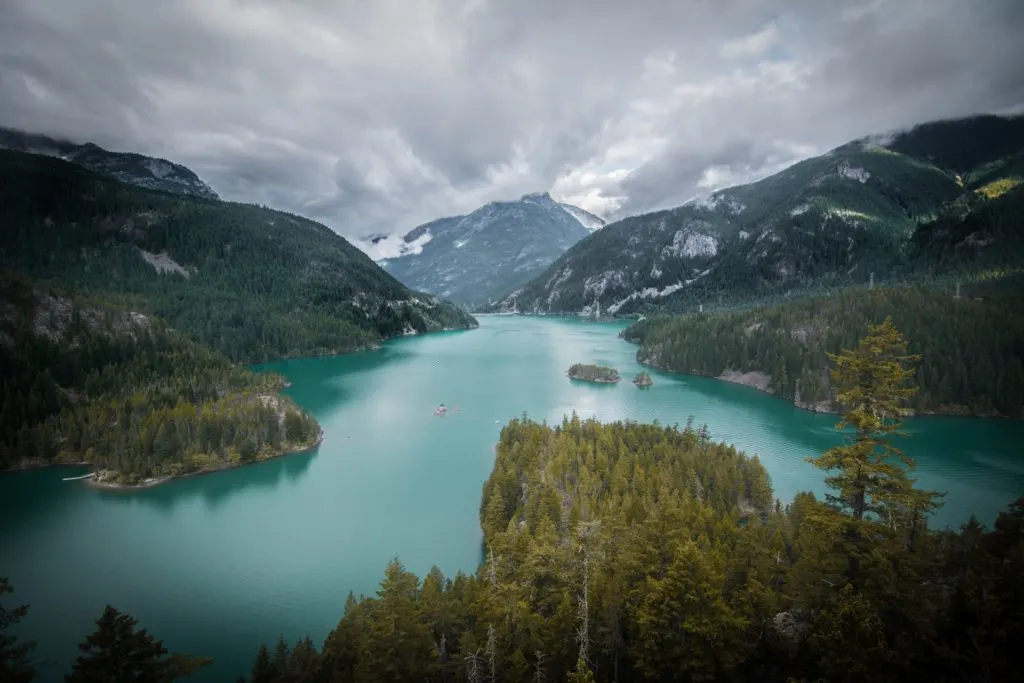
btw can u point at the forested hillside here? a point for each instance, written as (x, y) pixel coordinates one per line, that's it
(831, 221)
(92, 383)
(250, 282)
(972, 348)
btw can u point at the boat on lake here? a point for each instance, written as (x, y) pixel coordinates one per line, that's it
(441, 410)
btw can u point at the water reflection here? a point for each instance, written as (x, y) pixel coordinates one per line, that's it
(217, 487)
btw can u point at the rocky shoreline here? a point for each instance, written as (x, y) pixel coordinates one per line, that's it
(98, 483)
(755, 380)
(759, 380)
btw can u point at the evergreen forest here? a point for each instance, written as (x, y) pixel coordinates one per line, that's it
(971, 345)
(251, 283)
(95, 384)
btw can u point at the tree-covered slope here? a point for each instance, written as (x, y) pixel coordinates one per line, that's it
(828, 221)
(87, 382)
(476, 258)
(250, 282)
(972, 348)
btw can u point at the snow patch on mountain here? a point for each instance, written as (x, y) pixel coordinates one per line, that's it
(163, 263)
(596, 285)
(159, 168)
(689, 244)
(853, 173)
(719, 200)
(799, 210)
(384, 247)
(586, 219)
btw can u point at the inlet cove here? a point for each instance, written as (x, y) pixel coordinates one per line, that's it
(277, 546)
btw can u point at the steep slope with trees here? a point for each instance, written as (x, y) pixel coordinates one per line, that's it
(250, 282)
(826, 222)
(971, 348)
(90, 383)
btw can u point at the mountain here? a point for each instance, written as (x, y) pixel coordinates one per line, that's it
(474, 259)
(135, 169)
(867, 207)
(587, 219)
(249, 282)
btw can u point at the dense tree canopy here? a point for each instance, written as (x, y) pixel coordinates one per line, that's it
(89, 383)
(250, 282)
(971, 348)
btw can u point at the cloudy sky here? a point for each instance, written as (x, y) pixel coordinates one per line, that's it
(377, 115)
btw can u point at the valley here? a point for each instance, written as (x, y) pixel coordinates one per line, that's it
(153, 332)
(391, 479)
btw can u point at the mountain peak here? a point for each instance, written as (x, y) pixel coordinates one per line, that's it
(134, 169)
(475, 258)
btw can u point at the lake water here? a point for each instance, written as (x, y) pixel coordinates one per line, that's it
(217, 564)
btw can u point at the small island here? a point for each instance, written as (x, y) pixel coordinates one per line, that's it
(598, 374)
(643, 380)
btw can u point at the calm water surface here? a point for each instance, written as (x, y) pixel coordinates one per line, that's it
(217, 564)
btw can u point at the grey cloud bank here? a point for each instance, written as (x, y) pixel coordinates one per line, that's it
(375, 117)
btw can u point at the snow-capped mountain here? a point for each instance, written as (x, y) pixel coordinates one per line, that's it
(826, 221)
(586, 219)
(135, 169)
(475, 258)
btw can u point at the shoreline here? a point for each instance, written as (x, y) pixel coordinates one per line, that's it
(813, 409)
(594, 381)
(156, 481)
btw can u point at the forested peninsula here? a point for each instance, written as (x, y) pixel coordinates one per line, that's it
(629, 552)
(87, 383)
(970, 339)
(128, 315)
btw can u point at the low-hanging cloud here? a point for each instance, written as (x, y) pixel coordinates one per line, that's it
(377, 116)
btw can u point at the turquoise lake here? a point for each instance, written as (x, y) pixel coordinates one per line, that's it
(215, 565)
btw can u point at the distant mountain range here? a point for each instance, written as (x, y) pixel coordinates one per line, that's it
(134, 169)
(942, 195)
(474, 259)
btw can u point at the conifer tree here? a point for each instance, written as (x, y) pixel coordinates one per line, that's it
(118, 652)
(15, 663)
(872, 383)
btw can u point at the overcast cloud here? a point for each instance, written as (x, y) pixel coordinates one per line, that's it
(375, 116)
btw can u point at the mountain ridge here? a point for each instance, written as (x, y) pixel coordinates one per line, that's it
(250, 282)
(825, 221)
(148, 172)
